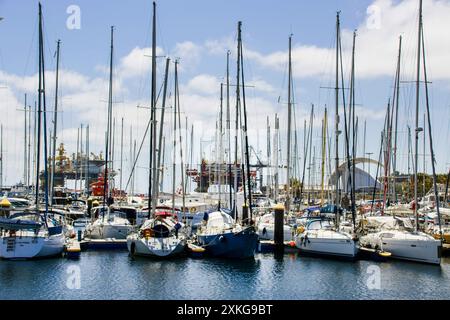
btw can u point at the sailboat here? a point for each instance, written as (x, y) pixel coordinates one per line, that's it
(221, 235)
(324, 236)
(398, 236)
(161, 234)
(32, 234)
(108, 223)
(266, 228)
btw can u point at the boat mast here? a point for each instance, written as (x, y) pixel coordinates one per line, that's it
(152, 166)
(86, 187)
(238, 101)
(106, 189)
(397, 94)
(1, 157)
(276, 150)
(417, 129)
(336, 119)
(311, 125)
(247, 154)
(25, 144)
(353, 124)
(174, 141)
(161, 128)
(121, 156)
(177, 97)
(44, 105)
(324, 143)
(229, 127)
(288, 165)
(29, 148)
(220, 144)
(433, 159)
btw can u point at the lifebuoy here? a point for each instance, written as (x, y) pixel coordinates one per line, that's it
(147, 233)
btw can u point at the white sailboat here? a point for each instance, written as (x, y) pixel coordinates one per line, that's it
(26, 236)
(158, 237)
(30, 234)
(109, 225)
(266, 228)
(323, 236)
(320, 237)
(397, 236)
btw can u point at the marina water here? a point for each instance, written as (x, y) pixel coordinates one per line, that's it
(115, 275)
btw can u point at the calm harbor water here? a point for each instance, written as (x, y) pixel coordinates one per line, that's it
(114, 275)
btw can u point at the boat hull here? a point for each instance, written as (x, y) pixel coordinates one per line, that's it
(418, 250)
(30, 247)
(239, 245)
(327, 246)
(266, 232)
(109, 231)
(155, 247)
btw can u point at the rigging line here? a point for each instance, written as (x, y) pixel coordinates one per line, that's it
(350, 178)
(142, 143)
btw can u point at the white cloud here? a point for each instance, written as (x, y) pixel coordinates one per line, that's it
(137, 62)
(188, 53)
(204, 84)
(376, 48)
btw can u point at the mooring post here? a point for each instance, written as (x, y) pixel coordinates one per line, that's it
(244, 214)
(279, 223)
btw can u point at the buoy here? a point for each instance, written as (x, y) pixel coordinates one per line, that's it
(384, 254)
(5, 203)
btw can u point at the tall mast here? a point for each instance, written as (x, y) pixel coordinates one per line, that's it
(121, 156)
(352, 106)
(229, 127)
(38, 150)
(106, 189)
(29, 148)
(433, 159)
(152, 167)
(288, 166)
(55, 119)
(177, 97)
(247, 154)
(86, 186)
(236, 166)
(161, 128)
(174, 140)
(1, 157)
(220, 159)
(417, 130)
(397, 94)
(25, 144)
(276, 147)
(43, 101)
(324, 143)
(336, 118)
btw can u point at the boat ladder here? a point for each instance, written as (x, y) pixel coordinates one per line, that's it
(10, 244)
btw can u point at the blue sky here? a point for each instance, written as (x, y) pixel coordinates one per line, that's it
(199, 32)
